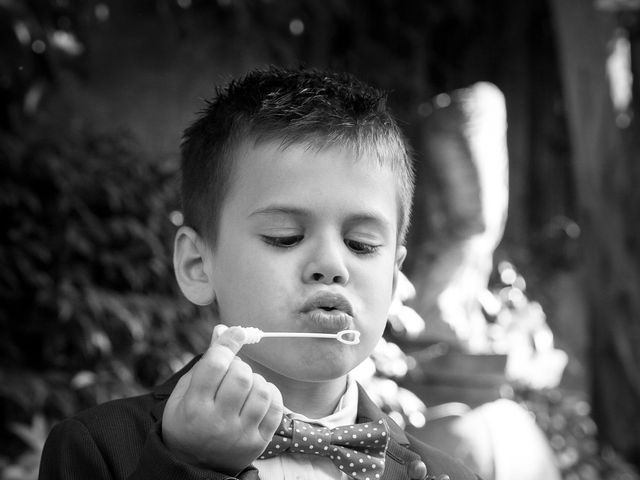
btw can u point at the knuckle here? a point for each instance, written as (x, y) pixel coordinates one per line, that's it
(216, 364)
(262, 391)
(243, 366)
(243, 382)
(259, 383)
(276, 397)
(276, 410)
(242, 375)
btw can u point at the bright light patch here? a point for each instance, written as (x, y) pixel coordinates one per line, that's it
(67, 42)
(176, 218)
(417, 419)
(296, 26)
(22, 33)
(508, 274)
(620, 77)
(102, 12)
(38, 46)
(442, 100)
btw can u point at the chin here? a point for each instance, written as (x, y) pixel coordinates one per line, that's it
(322, 370)
(329, 367)
(317, 374)
(311, 363)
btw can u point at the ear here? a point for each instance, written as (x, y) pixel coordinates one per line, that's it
(192, 265)
(401, 254)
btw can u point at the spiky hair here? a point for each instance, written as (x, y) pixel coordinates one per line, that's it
(293, 106)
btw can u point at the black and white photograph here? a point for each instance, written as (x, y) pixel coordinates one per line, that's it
(319, 240)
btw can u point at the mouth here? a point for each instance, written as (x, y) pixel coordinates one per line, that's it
(329, 312)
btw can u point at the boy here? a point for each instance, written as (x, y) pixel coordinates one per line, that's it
(297, 189)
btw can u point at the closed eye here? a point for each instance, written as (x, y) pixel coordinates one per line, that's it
(361, 248)
(283, 242)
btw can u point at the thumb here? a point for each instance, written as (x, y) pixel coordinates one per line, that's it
(232, 338)
(212, 367)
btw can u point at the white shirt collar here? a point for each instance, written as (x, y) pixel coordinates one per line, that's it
(345, 413)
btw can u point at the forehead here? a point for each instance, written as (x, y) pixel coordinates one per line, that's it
(256, 155)
(308, 176)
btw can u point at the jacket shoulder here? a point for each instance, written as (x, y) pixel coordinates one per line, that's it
(102, 442)
(117, 415)
(117, 428)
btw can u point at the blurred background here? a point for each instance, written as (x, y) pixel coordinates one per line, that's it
(514, 345)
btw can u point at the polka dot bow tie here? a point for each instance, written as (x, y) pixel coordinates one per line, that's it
(357, 450)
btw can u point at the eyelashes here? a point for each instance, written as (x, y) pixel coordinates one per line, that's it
(361, 248)
(282, 242)
(289, 241)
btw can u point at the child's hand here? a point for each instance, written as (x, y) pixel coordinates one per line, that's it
(221, 415)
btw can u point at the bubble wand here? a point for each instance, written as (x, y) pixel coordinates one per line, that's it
(254, 335)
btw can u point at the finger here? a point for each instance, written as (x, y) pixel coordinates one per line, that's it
(209, 372)
(258, 401)
(231, 338)
(234, 388)
(169, 414)
(273, 417)
(181, 387)
(217, 331)
(176, 396)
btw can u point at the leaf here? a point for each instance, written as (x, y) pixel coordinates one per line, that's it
(33, 435)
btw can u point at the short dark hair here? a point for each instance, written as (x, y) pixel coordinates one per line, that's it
(295, 106)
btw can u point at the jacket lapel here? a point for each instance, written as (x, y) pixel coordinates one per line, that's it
(399, 457)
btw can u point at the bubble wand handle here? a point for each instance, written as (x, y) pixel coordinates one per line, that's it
(296, 334)
(348, 337)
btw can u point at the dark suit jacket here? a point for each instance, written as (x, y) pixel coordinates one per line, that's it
(121, 439)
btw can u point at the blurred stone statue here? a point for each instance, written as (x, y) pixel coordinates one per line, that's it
(461, 210)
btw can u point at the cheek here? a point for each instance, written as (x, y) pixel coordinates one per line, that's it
(258, 296)
(379, 287)
(247, 272)
(376, 307)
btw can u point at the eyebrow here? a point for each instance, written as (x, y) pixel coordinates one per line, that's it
(280, 210)
(361, 217)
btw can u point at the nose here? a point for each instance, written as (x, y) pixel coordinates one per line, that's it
(326, 264)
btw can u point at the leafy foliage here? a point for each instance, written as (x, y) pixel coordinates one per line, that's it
(90, 310)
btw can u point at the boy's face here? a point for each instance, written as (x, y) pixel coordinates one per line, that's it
(307, 243)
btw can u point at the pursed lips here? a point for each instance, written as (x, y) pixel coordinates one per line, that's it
(329, 311)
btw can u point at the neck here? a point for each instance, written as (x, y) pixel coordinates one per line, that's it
(311, 399)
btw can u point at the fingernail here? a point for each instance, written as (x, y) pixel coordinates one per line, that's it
(237, 334)
(217, 331)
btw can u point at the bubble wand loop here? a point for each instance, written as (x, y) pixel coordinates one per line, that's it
(348, 337)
